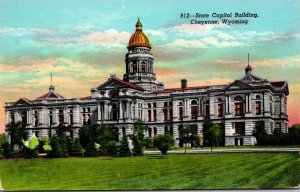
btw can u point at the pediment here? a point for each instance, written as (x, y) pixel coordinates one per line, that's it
(22, 101)
(115, 83)
(238, 85)
(111, 84)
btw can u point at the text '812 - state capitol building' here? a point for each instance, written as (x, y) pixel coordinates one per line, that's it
(120, 102)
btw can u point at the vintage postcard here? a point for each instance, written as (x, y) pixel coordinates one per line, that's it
(149, 95)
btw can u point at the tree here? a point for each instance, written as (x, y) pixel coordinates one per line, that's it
(138, 149)
(207, 124)
(260, 133)
(77, 149)
(63, 145)
(138, 138)
(138, 130)
(107, 136)
(17, 132)
(124, 150)
(216, 135)
(56, 148)
(163, 143)
(294, 135)
(186, 135)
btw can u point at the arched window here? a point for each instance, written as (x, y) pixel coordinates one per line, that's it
(180, 111)
(143, 68)
(257, 96)
(194, 109)
(238, 106)
(71, 116)
(207, 108)
(238, 98)
(115, 110)
(24, 117)
(220, 99)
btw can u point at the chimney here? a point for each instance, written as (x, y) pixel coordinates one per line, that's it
(183, 83)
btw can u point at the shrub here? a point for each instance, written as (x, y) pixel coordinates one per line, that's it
(56, 149)
(47, 147)
(31, 148)
(90, 150)
(163, 143)
(6, 150)
(76, 150)
(124, 150)
(63, 145)
(138, 149)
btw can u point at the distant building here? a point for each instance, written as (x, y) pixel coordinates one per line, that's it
(119, 102)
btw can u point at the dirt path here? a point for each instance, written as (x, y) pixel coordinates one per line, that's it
(1, 188)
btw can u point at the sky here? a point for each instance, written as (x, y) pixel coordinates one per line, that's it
(82, 42)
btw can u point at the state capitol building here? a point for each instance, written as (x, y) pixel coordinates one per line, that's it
(120, 102)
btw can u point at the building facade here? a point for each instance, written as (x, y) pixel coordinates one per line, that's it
(120, 102)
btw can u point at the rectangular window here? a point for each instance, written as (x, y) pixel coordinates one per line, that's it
(149, 115)
(149, 132)
(165, 114)
(149, 105)
(154, 105)
(258, 107)
(155, 131)
(71, 119)
(180, 113)
(171, 113)
(220, 110)
(165, 104)
(240, 128)
(207, 110)
(154, 115)
(134, 68)
(194, 111)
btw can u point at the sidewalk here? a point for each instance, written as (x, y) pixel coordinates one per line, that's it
(200, 151)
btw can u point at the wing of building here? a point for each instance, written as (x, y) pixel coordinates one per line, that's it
(120, 102)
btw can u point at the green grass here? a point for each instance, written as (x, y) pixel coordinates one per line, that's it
(185, 171)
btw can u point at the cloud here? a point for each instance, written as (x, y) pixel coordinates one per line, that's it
(188, 43)
(221, 44)
(108, 38)
(280, 37)
(195, 30)
(15, 31)
(292, 61)
(157, 33)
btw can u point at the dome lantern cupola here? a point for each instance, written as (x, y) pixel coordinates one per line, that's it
(248, 69)
(138, 39)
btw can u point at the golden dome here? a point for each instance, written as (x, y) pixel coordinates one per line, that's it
(139, 39)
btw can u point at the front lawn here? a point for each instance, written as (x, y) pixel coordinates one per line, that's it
(184, 171)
